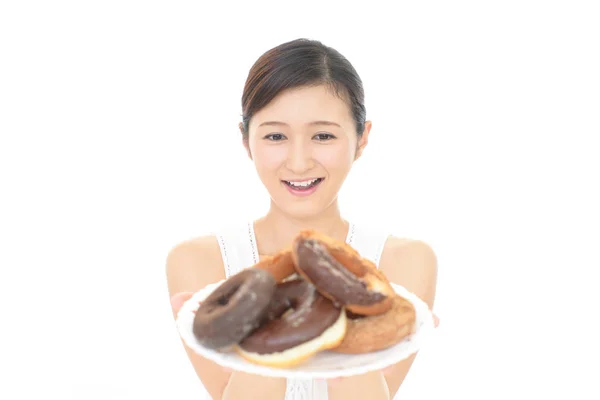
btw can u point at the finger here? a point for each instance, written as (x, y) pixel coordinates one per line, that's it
(178, 299)
(436, 321)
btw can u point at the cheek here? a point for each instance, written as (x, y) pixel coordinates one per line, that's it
(334, 158)
(269, 158)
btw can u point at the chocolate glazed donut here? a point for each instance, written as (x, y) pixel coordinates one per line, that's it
(234, 309)
(300, 323)
(341, 275)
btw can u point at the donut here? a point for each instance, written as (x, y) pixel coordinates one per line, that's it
(377, 332)
(341, 274)
(302, 323)
(234, 309)
(280, 265)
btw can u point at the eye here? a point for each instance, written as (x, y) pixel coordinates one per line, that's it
(322, 137)
(274, 137)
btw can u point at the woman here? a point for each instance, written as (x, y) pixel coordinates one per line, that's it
(304, 124)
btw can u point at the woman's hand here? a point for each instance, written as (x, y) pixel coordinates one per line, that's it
(178, 299)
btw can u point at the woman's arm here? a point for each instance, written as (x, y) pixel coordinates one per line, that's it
(191, 266)
(413, 265)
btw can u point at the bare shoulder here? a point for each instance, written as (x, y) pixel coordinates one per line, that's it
(412, 264)
(194, 263)
(413, 254)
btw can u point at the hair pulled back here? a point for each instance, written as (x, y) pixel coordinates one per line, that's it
(301, 62)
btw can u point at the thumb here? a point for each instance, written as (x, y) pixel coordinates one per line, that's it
(178, 299)
(436, 320)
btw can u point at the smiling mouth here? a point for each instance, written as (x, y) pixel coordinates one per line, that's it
(304, 185)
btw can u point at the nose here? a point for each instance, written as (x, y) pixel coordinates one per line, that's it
(299, 159)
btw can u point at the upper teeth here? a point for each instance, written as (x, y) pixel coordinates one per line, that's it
(304, 183)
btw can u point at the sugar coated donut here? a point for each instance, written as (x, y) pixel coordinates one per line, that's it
(234, 309)
(377, 332)
(341, 274)
(302, 323)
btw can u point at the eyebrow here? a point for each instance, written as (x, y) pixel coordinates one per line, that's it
(279, 123)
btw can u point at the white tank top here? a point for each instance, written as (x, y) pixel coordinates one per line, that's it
(239, 251)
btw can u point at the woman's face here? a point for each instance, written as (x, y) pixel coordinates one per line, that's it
(303, 145)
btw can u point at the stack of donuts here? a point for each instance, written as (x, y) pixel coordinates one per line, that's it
(317, 295)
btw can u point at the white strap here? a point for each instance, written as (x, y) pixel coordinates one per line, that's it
(236, 247)
(369, 242)
(225, 253)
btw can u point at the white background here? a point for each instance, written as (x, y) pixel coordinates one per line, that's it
(119, 140)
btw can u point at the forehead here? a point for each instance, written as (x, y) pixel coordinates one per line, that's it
(300, 106)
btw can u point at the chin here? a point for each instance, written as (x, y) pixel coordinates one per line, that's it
(301, 207)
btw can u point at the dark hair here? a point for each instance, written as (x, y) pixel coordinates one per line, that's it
(301, 62)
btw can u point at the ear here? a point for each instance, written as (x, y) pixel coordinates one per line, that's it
(245, 140)
(364, 140)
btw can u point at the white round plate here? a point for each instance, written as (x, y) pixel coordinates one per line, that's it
(324, 365)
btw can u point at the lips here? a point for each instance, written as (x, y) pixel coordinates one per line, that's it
(304, 184)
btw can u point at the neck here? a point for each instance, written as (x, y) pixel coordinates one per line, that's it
(276, 229)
